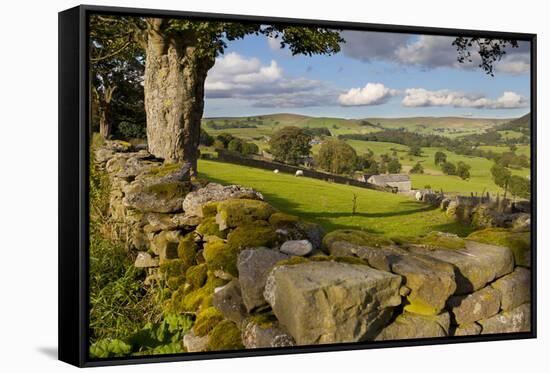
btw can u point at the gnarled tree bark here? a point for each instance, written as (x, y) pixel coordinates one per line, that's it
(104, 98)
(175, 73)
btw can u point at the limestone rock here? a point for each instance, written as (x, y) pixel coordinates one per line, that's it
(163, 222)
(234, 212)
(255, 335)
(229, 302)
(165, 244)
(155, 196)
(253, 266)
(467, 329)
(430, 281)
(479, 305)
(330, 302)
(515, 288)
(144, 260)
(410, 325)
(192, 204)
(297, 247)
(476, 265)
(194, 343)
(513, 321)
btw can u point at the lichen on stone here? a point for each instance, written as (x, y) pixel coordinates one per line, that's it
(225, 336)
(280, 219)
(206, 320)
(433, 240)
(187, 249)
(518, 242)
(209, 227)
(235, 212)
(256, 234)
(220, 256)
(209, 209)
(196, 275)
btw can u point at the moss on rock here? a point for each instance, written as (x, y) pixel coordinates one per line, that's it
(187, 249)
(518, 242)
(220, 256)
(235, 212)
(280, 219)
(294, 260)
(196, 275)
(165, 169)
(356, 237)
(209, 209)
(167, 191)
(225, 336)
(256, 234)
(209, 227)
(187, 299)
(263, 320)
(206, 320)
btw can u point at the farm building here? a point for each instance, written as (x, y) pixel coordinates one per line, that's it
(400, 181)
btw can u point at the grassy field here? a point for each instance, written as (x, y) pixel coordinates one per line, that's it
(330, 205)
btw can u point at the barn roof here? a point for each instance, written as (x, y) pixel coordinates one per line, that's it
(389, 178)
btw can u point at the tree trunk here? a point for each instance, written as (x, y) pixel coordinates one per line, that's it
(174, 95)
(104, 98)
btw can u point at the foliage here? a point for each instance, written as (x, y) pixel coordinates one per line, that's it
(415, 150)
(448, 168)
(520, 186)
(317, 131)
(463, 170)
(164, 337)
(501, 175)
(440, 157)
(489, 50)
(393, 166)
(417, 169)
(336, 156)
(205, 138)
(290, 145)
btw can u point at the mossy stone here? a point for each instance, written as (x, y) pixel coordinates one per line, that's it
(167, 191)
(235, 212)
(518, 242)
(173, 267)
(209, 209)
(436, 240)
(194, 300)
(263, 320)
(187, 249)
(257, 234)
(220, 256)
(196, 275)
(356, 237)
(225, 336)
(165, 169)
(209, 227)
(206, 320)
(280, 219)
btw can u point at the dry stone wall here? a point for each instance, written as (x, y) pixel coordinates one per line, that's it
(256, 277)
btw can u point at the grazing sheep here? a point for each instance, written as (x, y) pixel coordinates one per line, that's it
(276, 171)
(299, 173)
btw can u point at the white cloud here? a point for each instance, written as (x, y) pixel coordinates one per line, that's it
(429, 51)
(515, 64)
(370, 94)
(235, 76)
(420, 97)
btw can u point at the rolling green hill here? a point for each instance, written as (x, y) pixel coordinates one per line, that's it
(330, 204)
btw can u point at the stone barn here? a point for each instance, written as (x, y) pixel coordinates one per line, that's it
(401, 182)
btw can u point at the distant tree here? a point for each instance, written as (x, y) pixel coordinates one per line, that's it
(249, 148)
(463, 170)
(394, 167)
(290, 145)
(336, 156)
(373, 168)
(448, 168)
(520, 186)
(235, 145)
(415, 150)
(206, 139)
(417, 169)
(501, 175)
(225, 139)
(440, 158)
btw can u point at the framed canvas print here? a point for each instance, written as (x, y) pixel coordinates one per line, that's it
(234, 186)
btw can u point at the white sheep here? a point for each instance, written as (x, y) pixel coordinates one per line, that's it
(299, 173)
(276, 171)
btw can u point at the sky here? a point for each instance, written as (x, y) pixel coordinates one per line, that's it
(374, 75)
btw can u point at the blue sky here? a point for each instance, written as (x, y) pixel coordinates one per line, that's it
(375, 74)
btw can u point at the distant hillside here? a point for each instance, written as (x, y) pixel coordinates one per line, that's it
(439, 122)
(520, 124)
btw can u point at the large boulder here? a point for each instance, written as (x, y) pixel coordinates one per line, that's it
(476, 264)
(193, 202)
(331, 302)
(411, 325)
(253, 266)
(431, 281)
(479, 305)
(513, 321)
(515, 288)
(517, 241)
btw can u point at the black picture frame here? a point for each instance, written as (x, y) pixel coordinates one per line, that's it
(73, 184)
